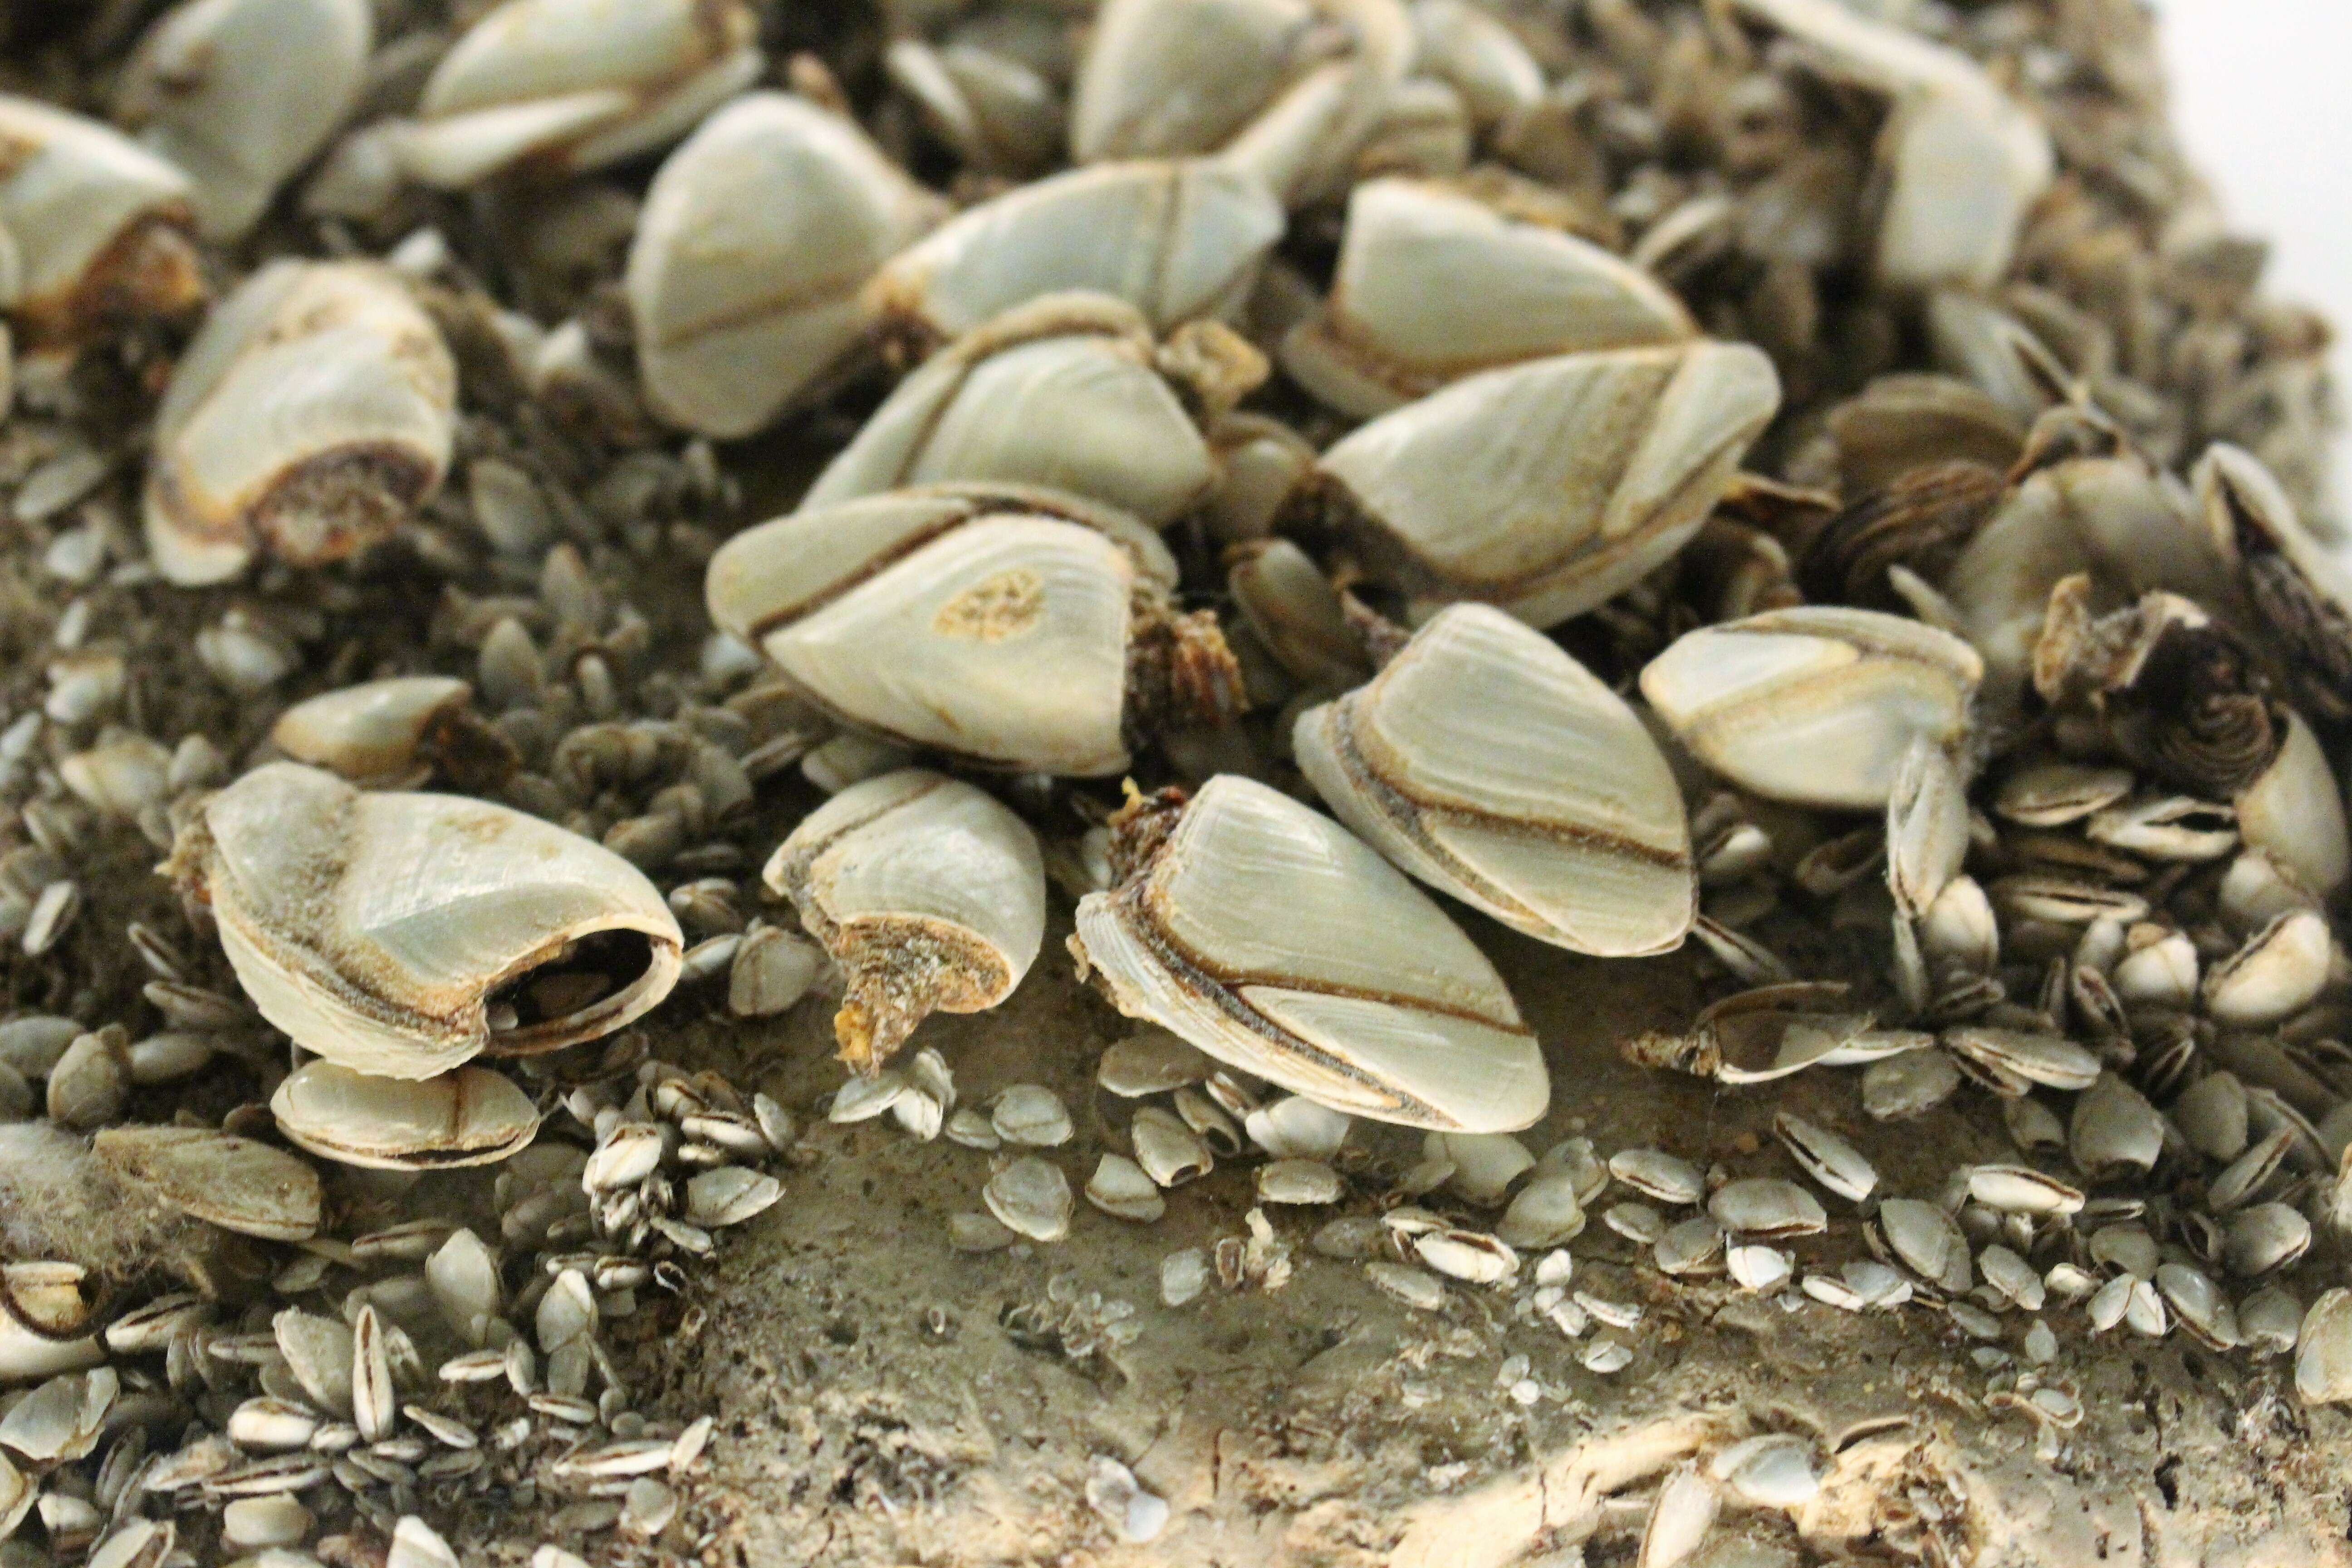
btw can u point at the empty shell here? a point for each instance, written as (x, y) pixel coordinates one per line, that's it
(1550, 487)
(929, 895)
(561, 86)
(1486, 762)
(1816, 706)
(208, 89)
(1364, 996)
(381, 931)
(97, 225)
(310, 417)
(469, 1117)
(1178, 240)
(756, 238)
(1435, 285)
(1022, 624)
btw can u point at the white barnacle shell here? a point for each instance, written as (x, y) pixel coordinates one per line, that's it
(1066, 391)
(1179, 240)
(1815, 706)
(380, 929)
(374, 732)
(1490, 764)
(755, 239)
(241, 93)
(1435, 285)
(314, 411)
(1009, 614)
(562, 85)
(95, 228)
(1550, 487)
(1965, 163)
(929, 893)
(1361, 996)
(472, 1116)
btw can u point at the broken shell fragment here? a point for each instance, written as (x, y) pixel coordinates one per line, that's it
(382, 930)
(1367, 998)
(94, 228)
(213, 88)
(558, 87)
(744, 274)
(311, 415)
(469, 1117)
(929, 895)
(1487, 763)
(1814, 706)
(1435, 285)
(230, 1182)
(1178, 240)
(1550, 487)
(1029, 628)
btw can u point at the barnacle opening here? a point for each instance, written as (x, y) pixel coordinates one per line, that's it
(562, 998)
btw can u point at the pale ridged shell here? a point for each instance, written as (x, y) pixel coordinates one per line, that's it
(314, 411)
(469, 1117)
(1007, 613)
(1364, 996)
(1550, 487)
(1490, 764)
(375, 929)
(1434, 286)
(370, 732)
(756, 238)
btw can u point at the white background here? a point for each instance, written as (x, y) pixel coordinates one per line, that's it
(2262, 99)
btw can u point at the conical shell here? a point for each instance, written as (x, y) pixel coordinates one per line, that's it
(1063, 391)
(1178, 240)
(756, 237)
(208, 89)
(1815, 706)
(311, 415)
(1007, 613)
(374, 730)
(1490, 764)
(1362, 996)
(377, 929)
(469, 1117)
(571, 85)
(929, 895)
(1435, 285)
(97, 225)
(1550, 487)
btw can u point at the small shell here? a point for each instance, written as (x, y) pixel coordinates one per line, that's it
(2277, 975)
(1925, 1240)
(1367, 998)
(2265, 1236)
(771, 970)
(233, 1183)
(1121, 1188)
(95, 229)
(1926, 827)
(1296, 1128)
(1031, 1196)
(1467, 1255)
(2051, 795)
(207, 90)
(1433, 285)
(469, 1117)
(1771, 1471)
(929, 895)
(729, 1195)
(2322, 1350)
(2017, 1058)
(2113, 1130)
(1815, 706)
(1170, 1151)
(1408, 1285)
(560, 86)
(2019, 1189)
(1487, 763)
(1826, 1157)
(1151, 1061)
(1679, 1520)
(379, 733)
(1031, 1114)
(341, 944)
(1179, 240)
(2211, 1114)
(2295, 813)
(1548, 487)
(1298, 1181)
(1763, 1208)
(755, 238)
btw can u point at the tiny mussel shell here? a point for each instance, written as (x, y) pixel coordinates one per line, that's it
(314, 411)
(1487, 763)
(1363, 996)
(230, 1182)
(1178, 240)
(240, 93)
(1435, 285)
(1008, 612)
(375, 929)
(469, 1117)
(99, 226)
(929, 895)
(1547, 488)
(1814, 706)
(756, 237)
(569, 84)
